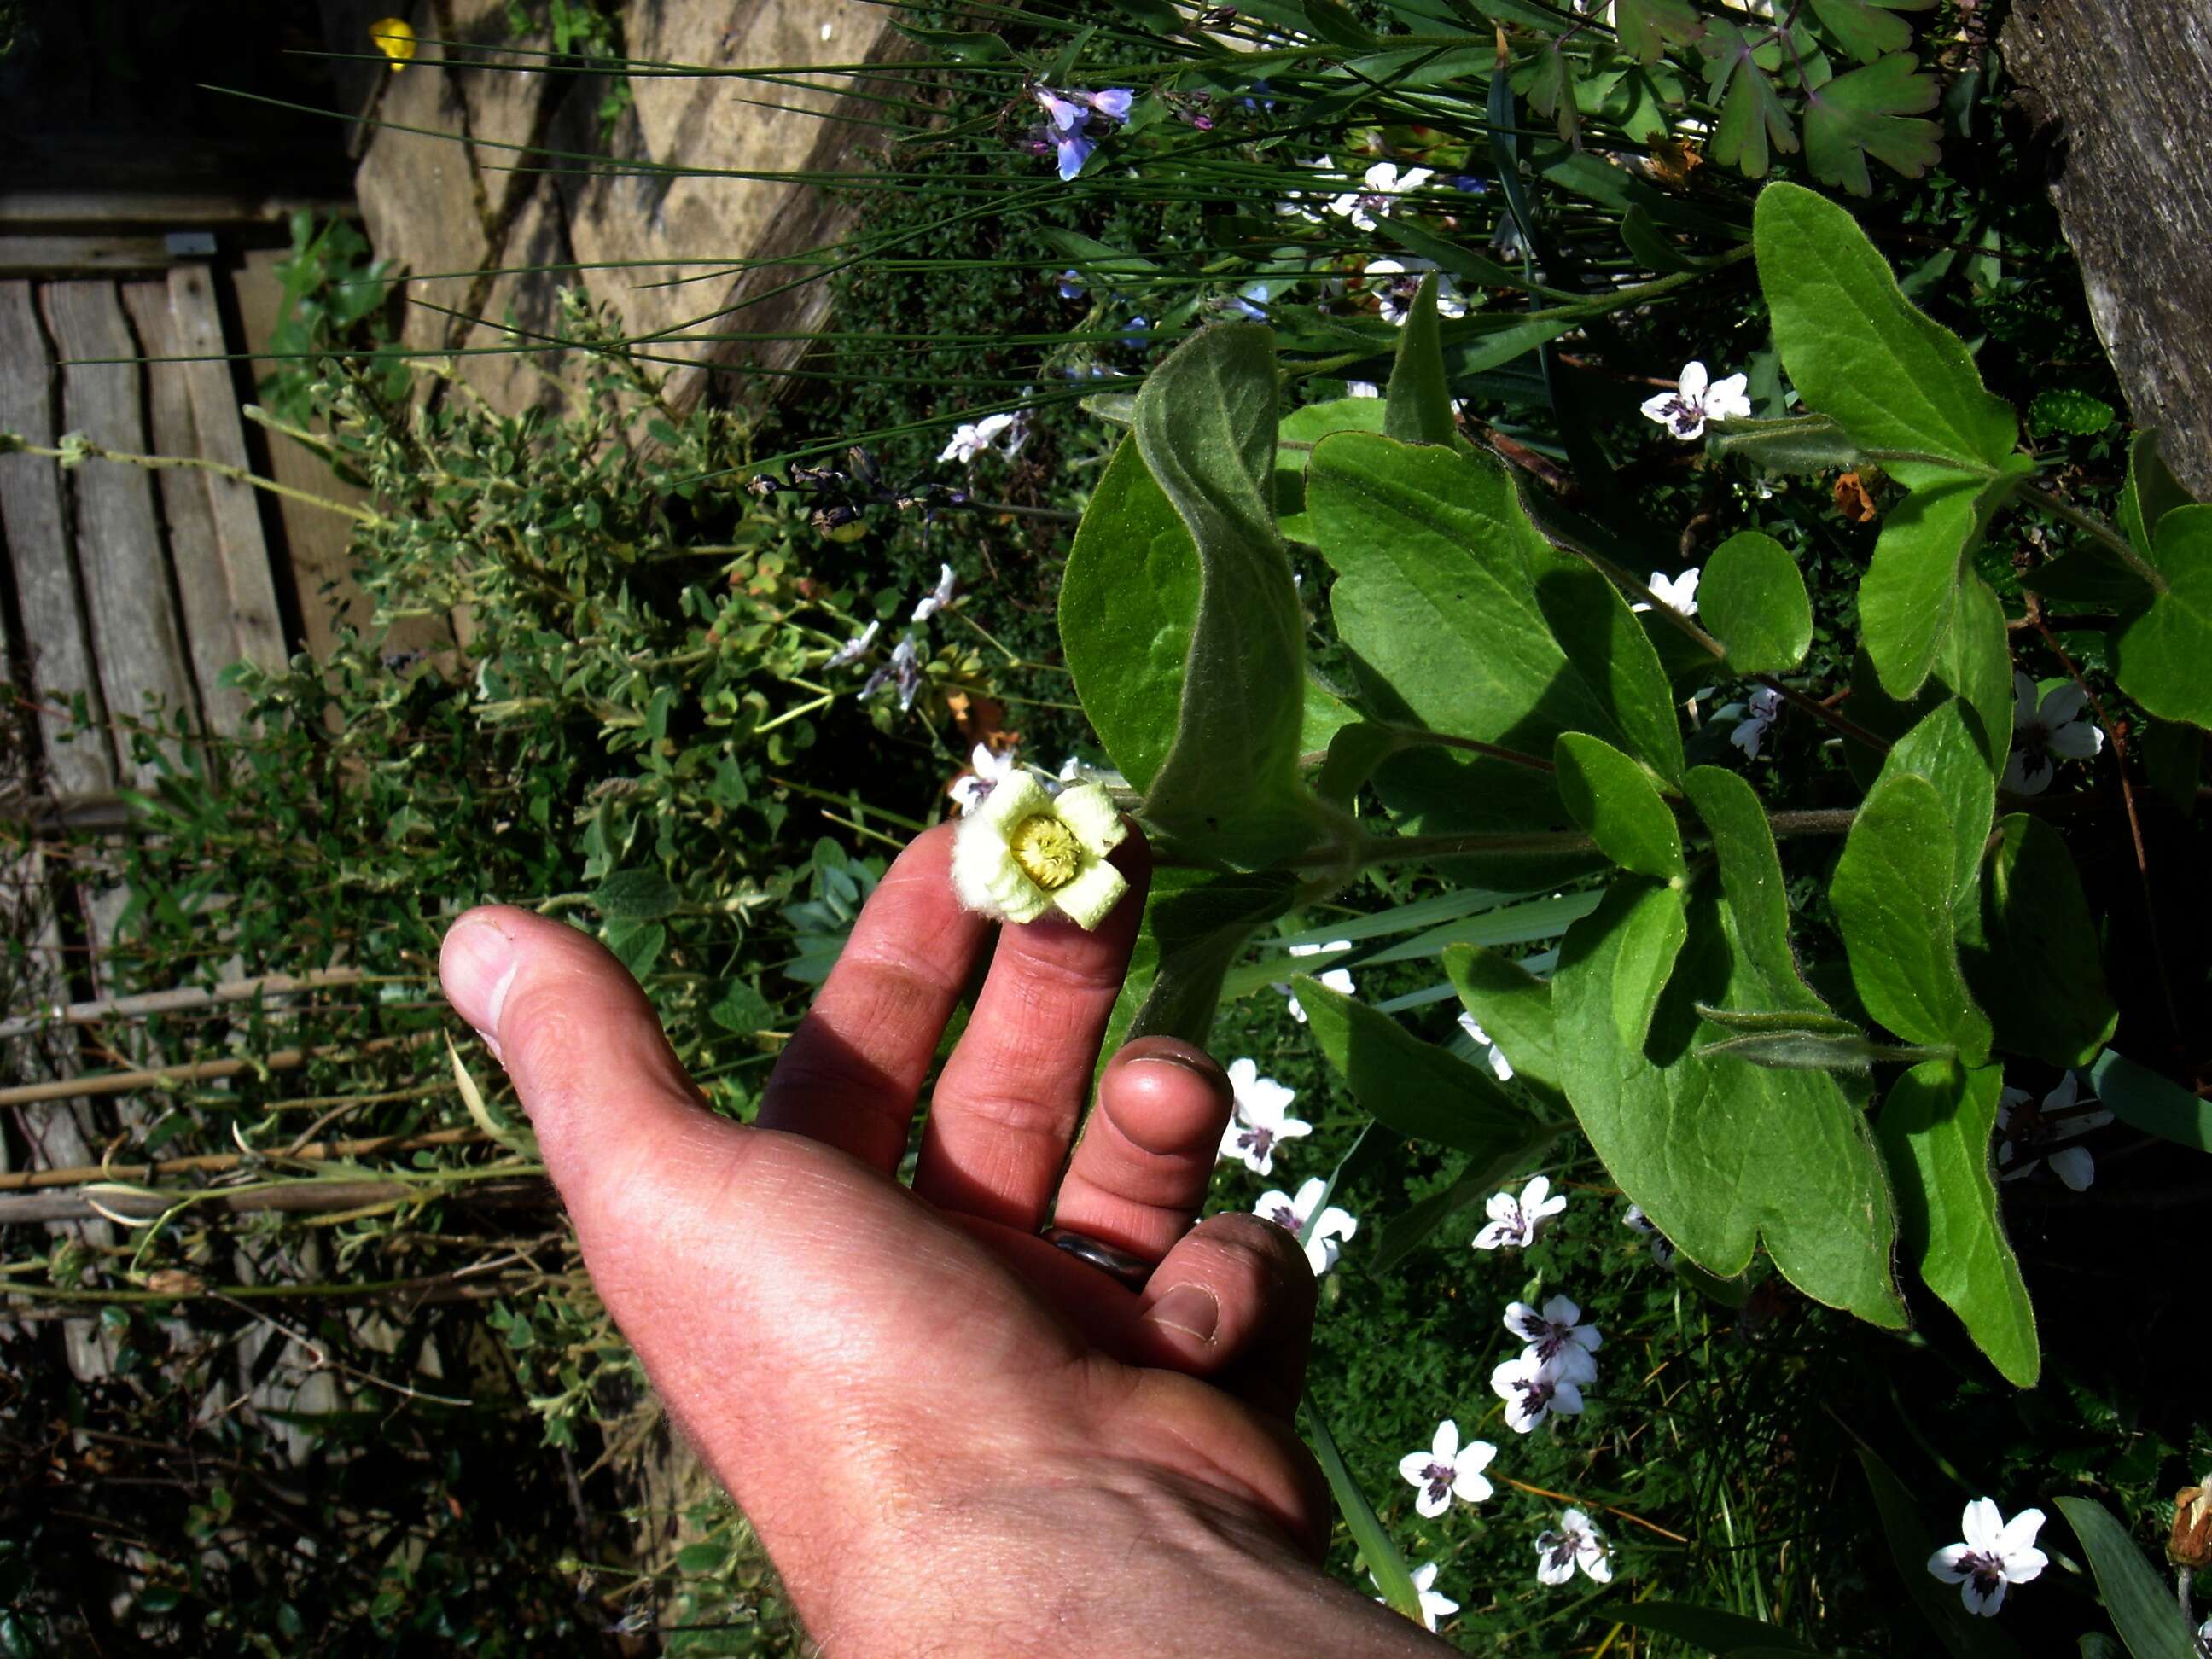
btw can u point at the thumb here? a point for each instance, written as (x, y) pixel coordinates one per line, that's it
(615, 1115)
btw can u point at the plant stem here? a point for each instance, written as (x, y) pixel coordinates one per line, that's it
(1820, 711)
(84, 450)
(2098, 530)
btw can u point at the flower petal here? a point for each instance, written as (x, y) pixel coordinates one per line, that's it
(1693, 381)
(1019, 797)
(2075, 1165)
(1983, 1524)
(1414, 1466)
(1446, 1445)
(1947, 1562)
(1088, 810)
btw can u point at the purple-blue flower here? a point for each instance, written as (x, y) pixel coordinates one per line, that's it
(1071, 284)
(1075, 151)
(1067, 114)
(1114, 103)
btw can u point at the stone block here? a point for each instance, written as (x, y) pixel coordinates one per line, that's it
(536, 236)
(507, 104)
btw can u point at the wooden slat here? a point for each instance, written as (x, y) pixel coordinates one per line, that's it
(38, 554)
(76, 256)
(195, 555)
(256, 626)
(137, 645)
(162, 211)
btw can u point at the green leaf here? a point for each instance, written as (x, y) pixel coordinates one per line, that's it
(1891, 892)
(2152, 491)
(1792, 1050)
(2143, 1100)
(742, 1010)
(1864, 30)
(1128, 602)
(636, 944)
(1606, 642)
(2174, 760)
(2160, 657)
(1416, 1088)
(1549, 81)
(961, 45)
(1418, 409)
(1515, 1008)
(1963, 1635)
(1377, 1548)
(1710, 1628)
(2073, 412)
(1936, 1128)
(1206, 425)
(1799, 444)
(1947, 747)
(1614, 799)
(1646, 27)
(1752, 599)
(1354, 752)
(1975, 661)
(1404, 1233)
(1857, 350)
(2140, 1601)
(1649, 927)
(1739, 75)
(694, 1559)
(640, 895)
(1873, 111)
(1195, 923)
(1912, 587)
(2030, 949)
(1722, 1155)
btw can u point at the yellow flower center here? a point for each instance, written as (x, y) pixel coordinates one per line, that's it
(1047, 850)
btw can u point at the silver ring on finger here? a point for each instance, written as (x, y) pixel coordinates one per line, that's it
(1131, 1270)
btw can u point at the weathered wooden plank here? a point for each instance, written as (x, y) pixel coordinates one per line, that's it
(162, 210)
(249, 579)
(137, 644)
(81, 255)
(195, 553)
(39, 555)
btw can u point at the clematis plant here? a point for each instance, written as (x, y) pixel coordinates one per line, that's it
(1996, 1554)
(1023, 852)
(1448, 1470)
(1261, 1119)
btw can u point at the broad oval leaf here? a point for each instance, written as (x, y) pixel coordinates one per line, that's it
(1614, 799)
(1515, 1008)
(1751, 598)
(1948, 747)
(1607, 643)
(2160, 657)
(2031, 952)
(2143, 1100)
(1418, 408)
(640, 895)
(1859, 350)
(1891, 892)
(1936, 1128)
(1912, 588)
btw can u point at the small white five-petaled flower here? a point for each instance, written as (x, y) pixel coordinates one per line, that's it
(1260, 1120)
(971, 438)
(1663, 1252)
(986, 772)
(1024, 851)
(1481, 1038)
(2031, 1132)
(1750, 733)
(1533, 1391)
(1678, 594)
(1697, 398)
(1330, 1228)
(1996, 1552)
(854, 648)
(1434, 1606)
(2047, 731)
(1396, 282)
(1556, 1337)
(1382, 184)
(1338, 979)
(937, 597)
(1447, 1471)
(1574, 1543)
(1515, 1222)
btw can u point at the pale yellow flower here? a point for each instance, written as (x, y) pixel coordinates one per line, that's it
(1024, 851)
(395, 38)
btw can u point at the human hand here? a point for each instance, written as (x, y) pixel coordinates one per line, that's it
(939, 1424)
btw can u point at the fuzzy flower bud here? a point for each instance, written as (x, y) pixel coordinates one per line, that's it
(2190, 1543)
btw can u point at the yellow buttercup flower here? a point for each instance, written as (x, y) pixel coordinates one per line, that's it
(395, 36)
(1023, 851)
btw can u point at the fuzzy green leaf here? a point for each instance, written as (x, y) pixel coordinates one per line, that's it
(2160, 657)
(2152, 491)
(1857, 350)
(1936, 1128)
(1912, 587)
(1515, 1008)
(2143, 1100)
(1752, 599)
(1799, 444)
(2029, 948)
(1614, 799)
(643, 894)
(1947, 747)
(1891, 892)
(1606, 642)
(1418, 409)
(1721, 1154)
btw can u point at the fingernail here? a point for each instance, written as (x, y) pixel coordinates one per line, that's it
(477, 964)
(1190, 1308)
(1191, 1063)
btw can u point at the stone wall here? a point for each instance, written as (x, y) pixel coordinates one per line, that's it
(506, 166)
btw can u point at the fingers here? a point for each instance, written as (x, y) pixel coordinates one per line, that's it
(612, 1110)
(1007, 1104)
(1139, 1173)
(1232, 1302)
(850, 1072)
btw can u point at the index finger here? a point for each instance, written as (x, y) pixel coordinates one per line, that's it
(850, 1075)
